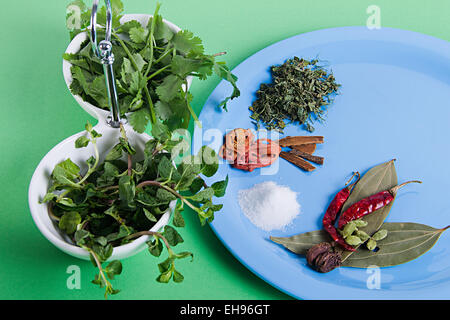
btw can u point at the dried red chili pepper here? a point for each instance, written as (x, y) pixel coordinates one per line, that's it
(370, 204)
(333, 210)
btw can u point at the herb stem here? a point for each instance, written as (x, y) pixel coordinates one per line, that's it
(154, 74)
(148, 233)
(50, 212)
(150, 39)
(164, 54)
(91, 169)
(189, 105)
(99, 266)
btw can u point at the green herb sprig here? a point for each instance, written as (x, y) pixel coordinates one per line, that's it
(152, 65)
(119, 200)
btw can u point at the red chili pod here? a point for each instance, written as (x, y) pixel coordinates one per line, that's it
(370, 204)
(333, 210)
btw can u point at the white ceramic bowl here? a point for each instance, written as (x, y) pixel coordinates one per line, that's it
(40, 182)
(75, 46)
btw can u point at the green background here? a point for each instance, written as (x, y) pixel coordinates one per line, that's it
(38, 112)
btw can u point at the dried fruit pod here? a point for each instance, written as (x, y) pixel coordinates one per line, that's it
(317, 250)
(380, 235)
(323, 258)
(328, 261)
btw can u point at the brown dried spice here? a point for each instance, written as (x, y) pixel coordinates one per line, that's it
(323, 258)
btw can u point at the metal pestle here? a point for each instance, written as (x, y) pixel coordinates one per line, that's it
(103, 51)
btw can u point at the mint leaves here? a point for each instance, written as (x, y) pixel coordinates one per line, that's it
(119, 200)
(151, 66)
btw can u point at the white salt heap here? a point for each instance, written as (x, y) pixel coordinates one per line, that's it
(268, 205)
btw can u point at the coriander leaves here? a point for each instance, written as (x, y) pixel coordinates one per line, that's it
(121, 199)
(152, 67)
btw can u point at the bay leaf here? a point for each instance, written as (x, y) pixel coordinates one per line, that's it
(300, 243)
(404, 242)
(379, 178)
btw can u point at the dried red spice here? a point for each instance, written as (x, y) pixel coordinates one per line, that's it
(333, 210)
(370, 204)
(245, 154)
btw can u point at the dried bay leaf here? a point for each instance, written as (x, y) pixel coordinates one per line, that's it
(300, 243)
(405, 242)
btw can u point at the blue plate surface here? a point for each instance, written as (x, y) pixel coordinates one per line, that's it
(393, 103)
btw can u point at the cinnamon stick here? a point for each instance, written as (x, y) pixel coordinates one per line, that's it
(299, 140)
(307, 156)
(308, 148)
(299, 162)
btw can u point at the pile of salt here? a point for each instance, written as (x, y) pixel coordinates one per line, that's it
(268, 205)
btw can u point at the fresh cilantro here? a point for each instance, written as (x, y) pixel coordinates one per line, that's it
(151, 66)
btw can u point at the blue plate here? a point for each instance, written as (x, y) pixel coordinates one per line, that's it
(393, 103)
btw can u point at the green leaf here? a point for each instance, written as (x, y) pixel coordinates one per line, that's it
(66, 172)
(138, 34)
(300, 243)
(127, 26)
(196, 185)
(185, 42)
(155, 248)
(113, 268)
(127, 190)
(165, 168)
(149, 215)
(164, 277)
(204, 195)
(178, 220)
(210, 161)
(109, 175)
(115, 153)
(161, 132)
(139, 120)
(169, 88)
(187, 174)
(102, 252)
(165, 195)
(405, 242)
(172, 236)
(161, 31)
(81, 236)
(69, 222)
(220, 187)
(70, 169)
(177, 276)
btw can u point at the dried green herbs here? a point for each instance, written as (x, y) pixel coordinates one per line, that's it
(300, 92)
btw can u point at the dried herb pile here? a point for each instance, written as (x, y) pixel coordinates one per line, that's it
(300, 92)
(119, 200)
